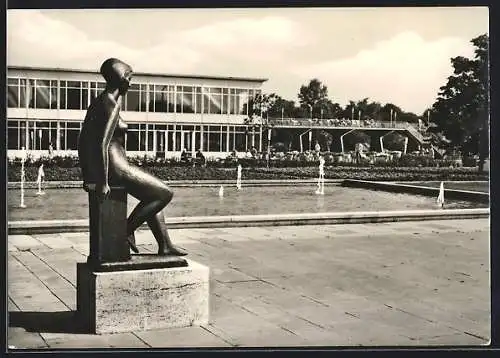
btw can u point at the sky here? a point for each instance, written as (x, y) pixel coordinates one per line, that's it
(390, 55)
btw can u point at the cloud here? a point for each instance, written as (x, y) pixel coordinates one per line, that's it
(404, 70)
(216, 48)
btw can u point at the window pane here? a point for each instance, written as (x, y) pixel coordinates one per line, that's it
(43, 135)
(144, 95)
(215, 103)
(187, 100)
(62, 94)
(213, 142)
(132, 140)
(178, 141)
(243, 101)
(22, 94)
(53, 94)
(225, 102)
(240, 142)
(132, 98)
(150, 135)
(73, 98)
(22, 134)
(13, 94)
(170, 141)
(199, 100)
(178, 106)
(161, 100)
(206, 101)
(224, 142)
(12, 135)
(30, 93)
(72, 139)
(62, 136)
(234, 101)
(205, 142)
(85, 95)
(42, 94)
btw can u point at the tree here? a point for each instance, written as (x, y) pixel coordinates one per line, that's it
(394, 141)
(460, 112)
(312, 94)
(282, 108)
(387, 109)
(260, 104)
(325, 108)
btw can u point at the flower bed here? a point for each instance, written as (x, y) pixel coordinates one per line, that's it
(171, 172)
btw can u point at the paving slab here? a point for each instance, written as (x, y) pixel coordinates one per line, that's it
(123, 340)
(18, 338)
(396, 284)
(23, 242)
(188, 337)
(53, 241)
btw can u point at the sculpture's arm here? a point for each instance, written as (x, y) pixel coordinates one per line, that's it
(112, 109)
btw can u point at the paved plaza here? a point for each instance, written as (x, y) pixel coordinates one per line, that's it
(399, 284)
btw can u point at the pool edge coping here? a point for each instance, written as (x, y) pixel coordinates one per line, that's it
(329, 218)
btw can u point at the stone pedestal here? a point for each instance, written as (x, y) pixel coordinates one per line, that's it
(108, 227)
(123, 299)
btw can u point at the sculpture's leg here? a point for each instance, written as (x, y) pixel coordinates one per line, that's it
(160, 232)
(153, 196)
(142, 213)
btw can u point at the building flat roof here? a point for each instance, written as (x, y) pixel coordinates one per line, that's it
(56, 69)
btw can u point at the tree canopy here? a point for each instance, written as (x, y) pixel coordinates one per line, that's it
(458, 118)
(460, 112)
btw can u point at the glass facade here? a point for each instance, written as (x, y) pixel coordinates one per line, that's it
(77, 95)
(62, 134)
(151, 137)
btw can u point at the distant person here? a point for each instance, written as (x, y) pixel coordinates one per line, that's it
(184, 156)
(200, 158)
(51, 150)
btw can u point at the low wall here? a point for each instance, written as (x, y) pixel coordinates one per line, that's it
(454, 194)
(181, 183)
(62, 226)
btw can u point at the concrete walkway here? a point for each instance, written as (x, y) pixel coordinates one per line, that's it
(398, 284)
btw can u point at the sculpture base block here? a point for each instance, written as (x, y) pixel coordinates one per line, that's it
(127, 300)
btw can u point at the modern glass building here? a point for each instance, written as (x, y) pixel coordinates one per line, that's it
(165, 113)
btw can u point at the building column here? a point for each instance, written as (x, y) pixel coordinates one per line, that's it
(193, 143)
(260, 139)
(201, 137)
(155, 142)
(174, 138)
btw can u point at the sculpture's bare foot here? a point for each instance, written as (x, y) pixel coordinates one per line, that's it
(171, 251)
(131, 242)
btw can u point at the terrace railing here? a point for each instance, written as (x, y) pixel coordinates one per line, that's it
(345, 123)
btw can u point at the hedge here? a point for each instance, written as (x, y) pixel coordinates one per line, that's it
(301, 161)
(380, 173)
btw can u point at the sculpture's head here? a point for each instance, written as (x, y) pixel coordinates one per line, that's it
(117, 74)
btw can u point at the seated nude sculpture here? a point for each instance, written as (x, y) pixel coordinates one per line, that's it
(103, 160)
